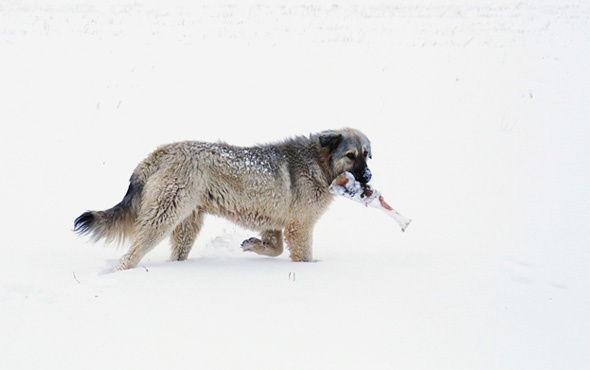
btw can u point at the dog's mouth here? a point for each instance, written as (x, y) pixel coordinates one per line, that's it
(362, 176)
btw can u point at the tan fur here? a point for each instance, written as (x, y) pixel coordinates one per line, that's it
(275, 189)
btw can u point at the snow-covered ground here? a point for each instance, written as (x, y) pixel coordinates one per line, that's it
(478, 115)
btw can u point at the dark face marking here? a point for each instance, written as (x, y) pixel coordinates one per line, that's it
(360, 169)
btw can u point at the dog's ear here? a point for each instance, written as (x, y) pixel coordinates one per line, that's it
(330, 140)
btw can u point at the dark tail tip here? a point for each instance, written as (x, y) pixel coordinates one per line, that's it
(83, 223)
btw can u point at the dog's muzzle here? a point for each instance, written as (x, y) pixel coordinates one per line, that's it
(363, 176)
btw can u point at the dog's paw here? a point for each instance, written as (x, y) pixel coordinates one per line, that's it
(120, 267)
(124, 264)
(252, 245)
(295, 257)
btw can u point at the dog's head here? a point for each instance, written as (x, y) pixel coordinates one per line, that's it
(347, 150)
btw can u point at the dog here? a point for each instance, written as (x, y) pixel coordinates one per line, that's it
(278, 189)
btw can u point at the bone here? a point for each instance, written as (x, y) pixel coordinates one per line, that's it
(345, 185)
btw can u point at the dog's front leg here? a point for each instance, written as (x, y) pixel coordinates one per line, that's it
(298, 238)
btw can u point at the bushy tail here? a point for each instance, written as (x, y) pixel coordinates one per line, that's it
(120, 222)
(114, 224)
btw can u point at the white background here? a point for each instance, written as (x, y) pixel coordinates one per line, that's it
(478, 115)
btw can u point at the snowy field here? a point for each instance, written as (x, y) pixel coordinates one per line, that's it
(478, 112)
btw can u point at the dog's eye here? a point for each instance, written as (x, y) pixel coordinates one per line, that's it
(351, 156)
(366, 154)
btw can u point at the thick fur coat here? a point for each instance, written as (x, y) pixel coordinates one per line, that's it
(280, 190)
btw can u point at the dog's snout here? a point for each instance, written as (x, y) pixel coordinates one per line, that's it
(363, 176)
(367, 175)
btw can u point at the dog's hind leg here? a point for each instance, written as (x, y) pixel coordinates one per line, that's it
(184, 235)
(147, 238)
(166, 203)
(271, 244)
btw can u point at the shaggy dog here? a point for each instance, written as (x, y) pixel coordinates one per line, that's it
(275, 189)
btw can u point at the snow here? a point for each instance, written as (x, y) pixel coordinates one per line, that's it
(246, 158)
(478, 115)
